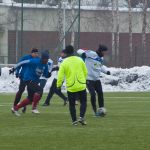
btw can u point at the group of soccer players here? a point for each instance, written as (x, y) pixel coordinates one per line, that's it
(78, 72)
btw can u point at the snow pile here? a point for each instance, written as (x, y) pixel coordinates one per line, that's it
(133, 79)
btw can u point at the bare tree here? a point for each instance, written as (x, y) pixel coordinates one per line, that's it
(145, 6)
(130, 34)
(60, 23)
(72, 19)
(133, 3)
(113, 31)
(117, 32)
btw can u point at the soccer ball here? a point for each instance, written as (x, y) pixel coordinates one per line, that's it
(101, 111)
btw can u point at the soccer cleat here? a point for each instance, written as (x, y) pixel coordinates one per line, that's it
(45, 104)
(24, 109)
(35, 111)
(75, 123)
(15, 112)
(82, 121)
(65, 102)
(97, 114)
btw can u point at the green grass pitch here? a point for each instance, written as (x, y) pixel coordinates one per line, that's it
(125, 127)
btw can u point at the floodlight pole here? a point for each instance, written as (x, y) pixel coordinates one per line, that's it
(64, 24)
(21, 43)
(79, 11)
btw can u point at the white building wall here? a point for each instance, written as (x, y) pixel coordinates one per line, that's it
(46, 19)
(35, 19)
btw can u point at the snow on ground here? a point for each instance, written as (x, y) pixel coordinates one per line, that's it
(133, 79)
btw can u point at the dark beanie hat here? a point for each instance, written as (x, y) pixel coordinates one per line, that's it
(69, 50)
(44, 55)
(34, 50)
(63, 51)
(102, 48)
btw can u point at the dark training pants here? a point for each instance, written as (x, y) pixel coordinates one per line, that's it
(83, 101)
(22, 87)
(53, 89)
(95, 87)
(42, 84)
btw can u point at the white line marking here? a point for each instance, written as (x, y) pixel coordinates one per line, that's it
(130, 97)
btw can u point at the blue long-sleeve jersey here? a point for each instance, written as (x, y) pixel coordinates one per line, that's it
(34, 69)
(21, 70)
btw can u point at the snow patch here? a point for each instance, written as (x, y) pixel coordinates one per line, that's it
(133, 79)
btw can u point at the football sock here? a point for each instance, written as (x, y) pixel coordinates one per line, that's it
(36, 99)
(23, 103)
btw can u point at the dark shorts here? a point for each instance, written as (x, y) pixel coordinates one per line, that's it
(32, 88)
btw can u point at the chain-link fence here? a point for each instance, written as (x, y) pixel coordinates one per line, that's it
(46, 24)
(53, 24)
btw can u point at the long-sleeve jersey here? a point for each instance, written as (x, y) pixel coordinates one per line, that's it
(50, 67)
(34, 69)
(20, 70)
(73, 69)
(94, 64)
(60, 60)
(50, 64)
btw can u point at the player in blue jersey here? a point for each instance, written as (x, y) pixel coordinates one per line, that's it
(35, 68)
(19, 74)
(43, 79)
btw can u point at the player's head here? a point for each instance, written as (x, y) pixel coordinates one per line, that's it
(102, 49)
(44, 57)
(34, 52)
(85, 49)
(69, 50)
(63, 54)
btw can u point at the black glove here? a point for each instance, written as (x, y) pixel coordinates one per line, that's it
(55, 68)
(12, 70)
(49, 74)
(83, 55)
(108, 73)
(17, 75)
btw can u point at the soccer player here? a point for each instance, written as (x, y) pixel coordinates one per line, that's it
(94, 63)
(43, 79)
(35, 68)
(73, 69)
(53, 89)
(19, 74)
